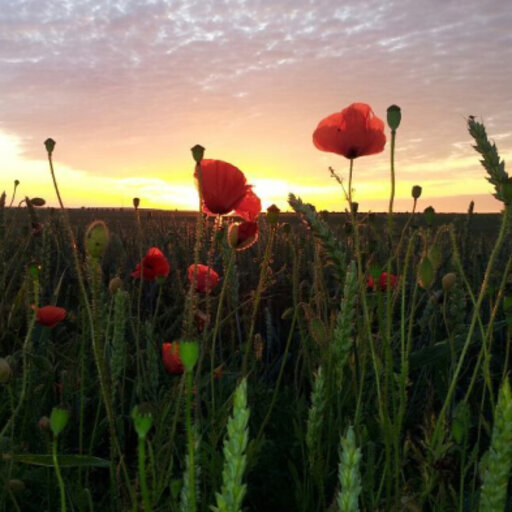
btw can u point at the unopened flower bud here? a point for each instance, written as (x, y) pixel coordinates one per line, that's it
(115, 284)
(16, 183)
(97, 238)
(429, 214)
(136, 202)
(394, 116)
(197, 153)
(37, 201)
(142, 420)
(416, 191)
(58, 420)
(448, 281)
(189, 354)
(50, 145)
(5, 371)
(272, 215)
(425, 273)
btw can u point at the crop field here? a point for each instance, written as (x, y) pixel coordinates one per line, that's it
(259, 361)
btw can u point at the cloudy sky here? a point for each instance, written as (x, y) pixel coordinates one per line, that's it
(127, 87)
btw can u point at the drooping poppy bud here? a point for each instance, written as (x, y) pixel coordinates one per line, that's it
(448, 280)
(50, 316)
(37, 201)
(115, 284)
(171, 358)
(206, 279)
(429, 213)
(241, 235)
(97, 238)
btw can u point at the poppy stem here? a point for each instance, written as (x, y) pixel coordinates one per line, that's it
(351, 168)
(392, 197)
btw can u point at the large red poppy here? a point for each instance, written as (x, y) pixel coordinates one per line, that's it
(250, 207)
(50, 316)
(154, 265)
(224, 186)
(171, 358)
(206, 278)
(353, 132)
(383, 281)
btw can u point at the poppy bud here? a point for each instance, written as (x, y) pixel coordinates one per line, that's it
(272, 215)
(416, 191)
(58, 420)
(189, 354)
(50, 145)
(115, 284)
(448, 281)
(38, 201)
(136, 202)
(43, 423)
(425, 273)
(394, 116)
(241, 235)
(5, 371)
(96, 239)
(16, 485)
(16, 183)
(33, 270)
(197, 153)
(429, 214)
(142, 420)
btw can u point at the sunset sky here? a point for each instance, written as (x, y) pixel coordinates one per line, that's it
(127, 87)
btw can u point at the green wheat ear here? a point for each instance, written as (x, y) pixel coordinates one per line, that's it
(348, 474)
(498, 459)
(321, 231)
(316, 417)
(491, 161)
(235, 460)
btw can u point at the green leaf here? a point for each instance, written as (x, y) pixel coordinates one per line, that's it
(65, 461)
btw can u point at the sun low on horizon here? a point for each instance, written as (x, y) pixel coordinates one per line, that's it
(127, 87)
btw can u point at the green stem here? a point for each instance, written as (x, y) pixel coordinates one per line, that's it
(483, 290)
(190, 441)
(59, 476)
(142, 474)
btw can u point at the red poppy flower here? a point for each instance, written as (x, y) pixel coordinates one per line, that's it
(383, 281)
(223, 185)
(171, 358)
(353, 132)
(241, 235)
(206, 278)
(50, 316)
(250, 207)
(154, 265)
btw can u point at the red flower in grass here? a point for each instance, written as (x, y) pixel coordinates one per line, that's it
(383, 281)
(206, 278)
(50, 316)
(241, 235)
(250, 207)
(154, 265)
(223, 185)
(353, 132)
(171, 358)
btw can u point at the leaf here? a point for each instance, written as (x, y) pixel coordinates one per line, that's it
(65, 461)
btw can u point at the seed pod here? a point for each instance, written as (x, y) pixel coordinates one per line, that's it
(273, 215)
(416, 191)
(58, 420)
(189, 354)
(394, 116)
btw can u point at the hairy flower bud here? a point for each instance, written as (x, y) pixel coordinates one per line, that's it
(416, 191)
(97, 238)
